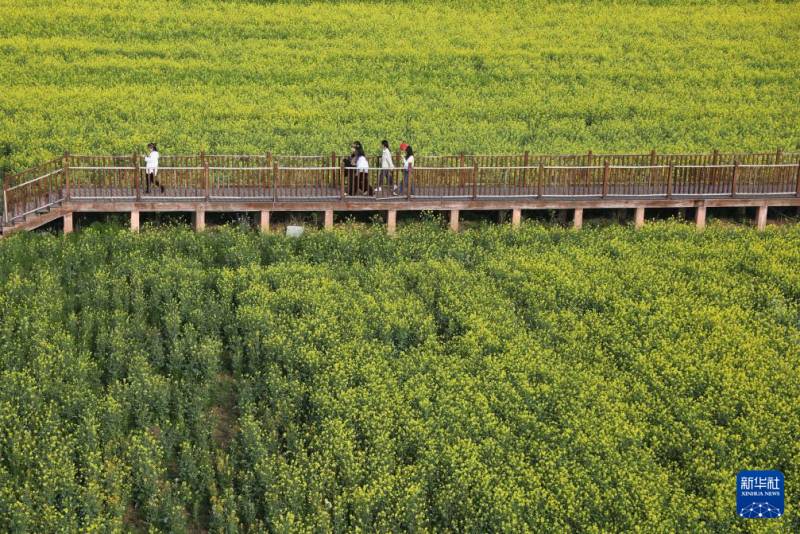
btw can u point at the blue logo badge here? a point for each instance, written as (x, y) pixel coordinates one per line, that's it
(759, 494)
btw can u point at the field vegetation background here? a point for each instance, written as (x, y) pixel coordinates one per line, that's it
(308, 77)
(495, 380)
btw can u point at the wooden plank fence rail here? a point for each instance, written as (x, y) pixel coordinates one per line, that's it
(276, 178)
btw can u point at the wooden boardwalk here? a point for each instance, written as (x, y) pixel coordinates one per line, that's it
(265, 184)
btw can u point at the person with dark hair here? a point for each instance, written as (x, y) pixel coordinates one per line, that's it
(151, 167)
(349, 164)
(362, 170)
(387, 168)
(408, 166)
(354, 177)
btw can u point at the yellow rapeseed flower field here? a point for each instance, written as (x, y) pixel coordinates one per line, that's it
(478, 77)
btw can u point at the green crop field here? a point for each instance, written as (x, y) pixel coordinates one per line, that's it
(250, 77)
(532, 379)
(495, 380)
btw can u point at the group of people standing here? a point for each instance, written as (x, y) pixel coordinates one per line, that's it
(357, 168)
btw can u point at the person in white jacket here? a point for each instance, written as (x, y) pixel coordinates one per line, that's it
(408, 166)
(151, 167)
(387, 169)
(362, 170)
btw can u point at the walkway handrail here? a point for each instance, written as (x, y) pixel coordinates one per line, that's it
(34, 189)
(264, 177)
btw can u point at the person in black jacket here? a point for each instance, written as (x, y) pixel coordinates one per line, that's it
(349, 165)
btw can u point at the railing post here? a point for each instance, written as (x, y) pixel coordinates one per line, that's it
(462, 176)
(65, 165)
(797, 181)
(333, 171)
(275, 181)
(587, 174)
(652, 166)
(5, 199)
(735, 177)
(263, 173)
(475, 172)
(342, 175)
(606, 172)
(714, 170)
(539, 180)
(778, 156)
(206, 183)
(669, 180)
(410, 181)
(268, 165)
(525, 160)
(137, 171)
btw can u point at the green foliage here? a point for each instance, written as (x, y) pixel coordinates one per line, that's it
(495, 380)
(477, 76)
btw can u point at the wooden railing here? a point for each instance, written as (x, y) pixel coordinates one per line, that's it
(279, 178)
(34, 189)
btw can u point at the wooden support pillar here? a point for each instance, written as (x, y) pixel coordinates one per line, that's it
(454, 220)
(577, 220)
(68, 228)
(516, 217)
(200, 219)
(264, 225)
(134, 220)
(391, 222)
(761, 218)
(329, 219)
(639, 218)
(700, 217)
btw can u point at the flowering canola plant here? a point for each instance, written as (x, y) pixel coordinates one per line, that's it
(532, 380)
